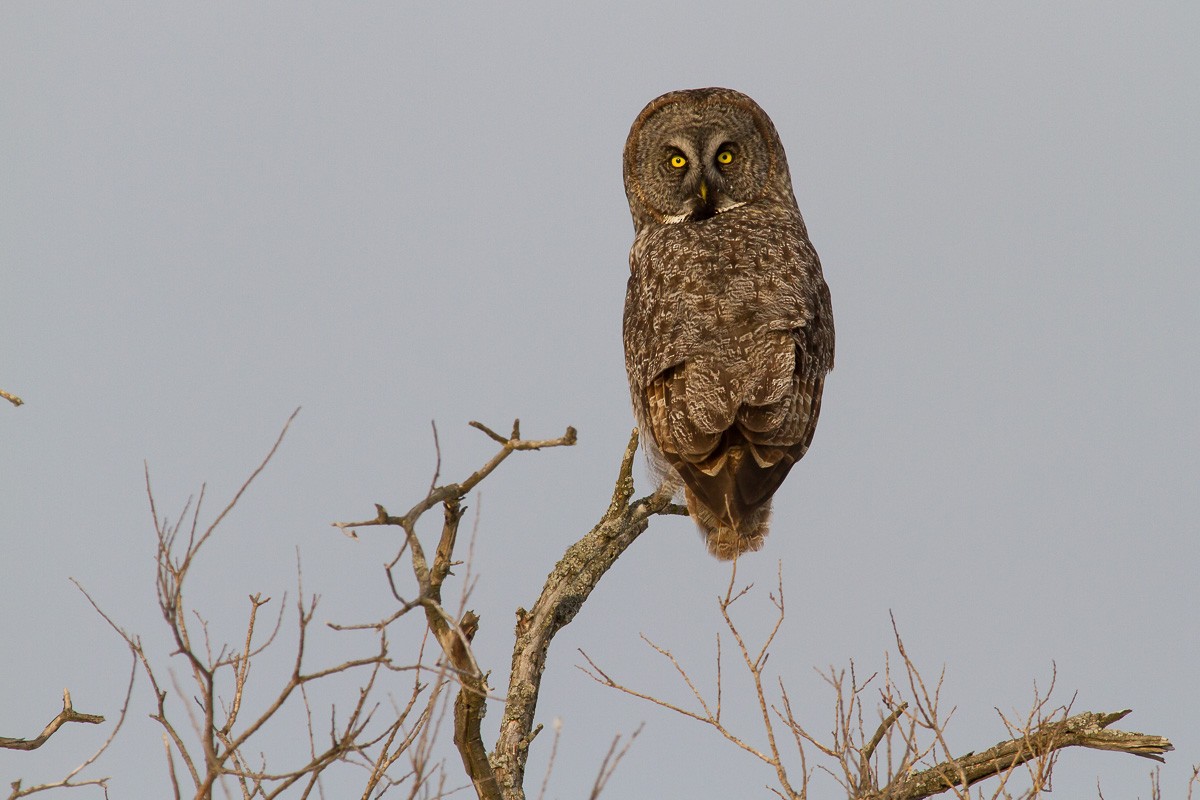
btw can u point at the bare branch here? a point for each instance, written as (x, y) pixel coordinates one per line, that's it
(1034, 741)
(70, 780)
(612, 760)
(221, 749)
(68, 714)
(907, 739)
(566, 589)
(891, 720)
(453, 636)
(12, 398)
(1082, 730)
(460, 490)
(553, 757)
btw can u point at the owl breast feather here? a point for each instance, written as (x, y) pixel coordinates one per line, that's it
(694, 295)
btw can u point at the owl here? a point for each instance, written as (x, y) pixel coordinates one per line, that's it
(728, 327)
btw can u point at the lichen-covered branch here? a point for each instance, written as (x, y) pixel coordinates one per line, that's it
(1088, 729)
(567, 588)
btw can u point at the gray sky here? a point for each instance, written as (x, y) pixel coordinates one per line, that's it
(396, 213)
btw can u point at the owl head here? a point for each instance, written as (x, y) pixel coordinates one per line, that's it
(696, 153)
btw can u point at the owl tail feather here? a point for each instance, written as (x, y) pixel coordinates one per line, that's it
(727, 541)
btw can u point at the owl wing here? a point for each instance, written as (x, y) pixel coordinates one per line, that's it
(728, 339)
(734, 430)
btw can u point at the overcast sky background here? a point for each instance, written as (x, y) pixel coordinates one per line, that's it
(396, 213)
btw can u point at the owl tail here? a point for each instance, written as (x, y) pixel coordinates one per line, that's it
(726, 541)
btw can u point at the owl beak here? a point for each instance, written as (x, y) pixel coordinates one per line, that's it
(707, 205)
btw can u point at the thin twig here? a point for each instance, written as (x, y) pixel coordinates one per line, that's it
(612, 759)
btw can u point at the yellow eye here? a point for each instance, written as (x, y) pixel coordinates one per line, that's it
(725, 157)
(678, 162)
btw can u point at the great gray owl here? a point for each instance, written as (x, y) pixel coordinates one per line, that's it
(728, 326)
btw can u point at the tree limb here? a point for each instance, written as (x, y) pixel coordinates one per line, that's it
(567, 588)
(501, 775)
(1088, 729)
(454, 637)
(68, 714)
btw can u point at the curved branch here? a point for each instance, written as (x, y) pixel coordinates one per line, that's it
(68, 714)
(567, 588)
(1088, 729)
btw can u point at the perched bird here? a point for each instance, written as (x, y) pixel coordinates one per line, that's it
(728, 327)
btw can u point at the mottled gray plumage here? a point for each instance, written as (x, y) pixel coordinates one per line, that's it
(728, 326)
